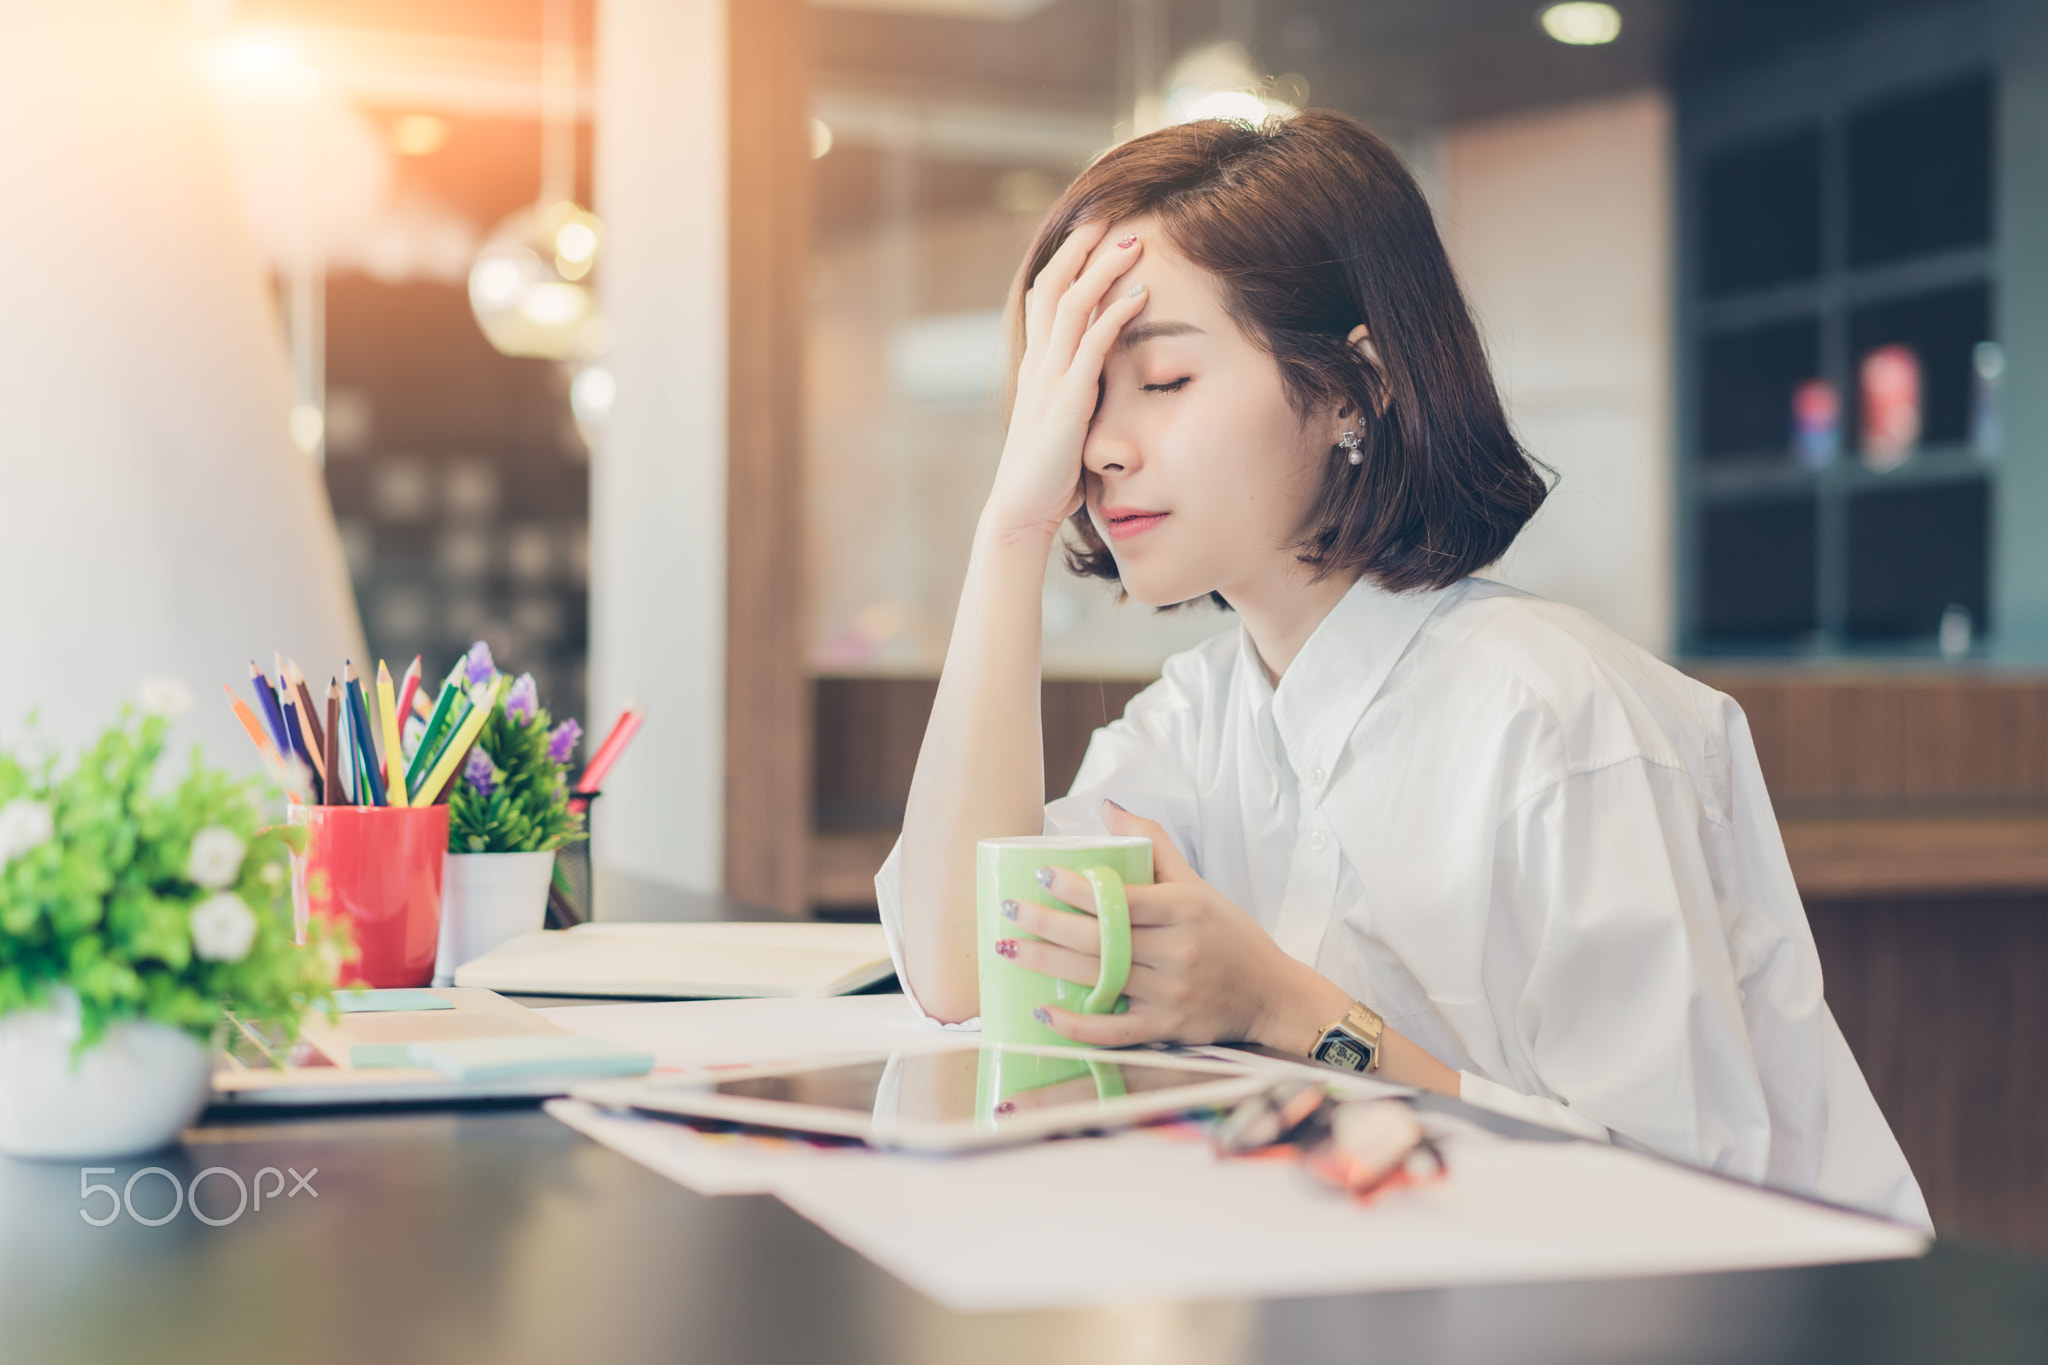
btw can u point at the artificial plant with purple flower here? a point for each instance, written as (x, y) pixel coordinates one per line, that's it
(513, 795)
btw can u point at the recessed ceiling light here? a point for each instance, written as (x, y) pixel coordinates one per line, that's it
(418, 134)
(1582, 25)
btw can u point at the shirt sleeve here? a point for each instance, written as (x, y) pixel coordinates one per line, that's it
(1629, 1017)
(1137, 760)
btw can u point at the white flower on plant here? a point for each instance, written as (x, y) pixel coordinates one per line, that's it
(215, 860)
(165, 697)
(271, 876)
(223, 927)
(25, 823)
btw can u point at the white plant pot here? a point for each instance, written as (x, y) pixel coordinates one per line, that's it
(134, 1091)
(487, 898)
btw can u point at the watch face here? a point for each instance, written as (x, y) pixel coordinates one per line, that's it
(1345, 1052)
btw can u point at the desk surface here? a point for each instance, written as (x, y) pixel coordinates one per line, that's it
(502, 1236)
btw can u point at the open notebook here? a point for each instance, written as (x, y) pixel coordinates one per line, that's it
(412, 1047)
(686, 961)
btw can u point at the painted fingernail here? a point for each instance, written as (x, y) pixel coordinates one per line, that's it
(1041, 1014)
(1107, 802)
(1136, 290)
(1127, 243)
(1009, 909)
(1045, 876)
(1006, 947)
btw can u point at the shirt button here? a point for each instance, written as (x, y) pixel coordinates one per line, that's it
(1315, 776)
(1318, 841)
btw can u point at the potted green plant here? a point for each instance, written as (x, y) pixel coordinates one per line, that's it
(134, 912)
(508, 811)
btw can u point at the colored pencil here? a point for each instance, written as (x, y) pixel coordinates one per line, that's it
(458, 716)
(351, 758)
(263, 744)
(438, 723)
(266, 701)
(394, 759)
(605, 745)
(408, 688)
(243, 714)
(370, 788)
(306, 756)
(330, 746)
(608, 753)
(301, 733)
(308, 716)
(443, 772)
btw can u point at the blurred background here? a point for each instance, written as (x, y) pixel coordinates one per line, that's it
(657, 343)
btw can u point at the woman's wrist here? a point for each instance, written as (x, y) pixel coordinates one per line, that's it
(1300, 1004)
(1003, 530)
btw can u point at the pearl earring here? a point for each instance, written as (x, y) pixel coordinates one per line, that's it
(1350, 445)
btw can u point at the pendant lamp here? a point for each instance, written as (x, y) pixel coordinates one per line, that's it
(530, 283)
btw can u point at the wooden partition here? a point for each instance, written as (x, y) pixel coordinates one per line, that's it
(1891, 784)
(1885, 784)
(767, 692)
(868, 731)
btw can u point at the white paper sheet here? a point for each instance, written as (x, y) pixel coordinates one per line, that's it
(1020, 1229)
(704, 1033)
(1012, 1231)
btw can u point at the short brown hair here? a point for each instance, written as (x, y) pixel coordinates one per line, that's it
(1314, 225)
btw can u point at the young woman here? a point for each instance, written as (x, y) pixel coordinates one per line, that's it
(1534, 864)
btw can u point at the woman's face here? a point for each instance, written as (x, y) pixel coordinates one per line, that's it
(1198, 471)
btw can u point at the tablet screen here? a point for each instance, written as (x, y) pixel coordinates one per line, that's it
(968, 1085)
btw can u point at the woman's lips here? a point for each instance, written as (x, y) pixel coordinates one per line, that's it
(1125, 522)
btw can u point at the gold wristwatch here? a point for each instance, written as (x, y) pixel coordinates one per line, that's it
(1353, 1042)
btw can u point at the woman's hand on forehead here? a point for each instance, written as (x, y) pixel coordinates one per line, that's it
(1072, 315)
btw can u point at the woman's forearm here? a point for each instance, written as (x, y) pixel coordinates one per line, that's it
(981, 771)
(1305, 1004)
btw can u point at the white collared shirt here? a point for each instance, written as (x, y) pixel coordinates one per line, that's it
(1539, 852)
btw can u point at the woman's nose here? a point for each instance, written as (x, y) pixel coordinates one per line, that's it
(1107, 449)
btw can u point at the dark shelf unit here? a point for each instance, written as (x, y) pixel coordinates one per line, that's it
(1834, 201)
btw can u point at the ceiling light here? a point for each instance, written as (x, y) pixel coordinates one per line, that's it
(1582, 25)
(527, 285)
(1218, 81)
(418, 134)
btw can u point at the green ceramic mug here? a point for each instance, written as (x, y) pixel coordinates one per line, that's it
(1007, 869)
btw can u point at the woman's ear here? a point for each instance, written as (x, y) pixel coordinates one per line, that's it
(1361, 341)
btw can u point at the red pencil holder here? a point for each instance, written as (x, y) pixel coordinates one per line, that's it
(378, 869)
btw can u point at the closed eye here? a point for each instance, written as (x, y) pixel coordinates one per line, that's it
(1175, 387)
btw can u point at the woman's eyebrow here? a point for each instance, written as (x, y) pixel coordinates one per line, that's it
(1133, 337)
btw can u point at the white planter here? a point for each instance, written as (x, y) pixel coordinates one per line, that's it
(133, 1092)
(487, 898)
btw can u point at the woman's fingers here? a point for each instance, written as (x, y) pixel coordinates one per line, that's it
(1167, 863)
(1059, 272)
(1049, 959)
(1082, 933)
(1070, 887)
(1150, 906)
(1093, 351)
(1090, 289)
(1101, 1030)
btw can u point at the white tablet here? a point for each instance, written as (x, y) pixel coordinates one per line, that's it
(944, 1101)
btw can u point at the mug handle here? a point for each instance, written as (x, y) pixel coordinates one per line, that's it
(1113, 915)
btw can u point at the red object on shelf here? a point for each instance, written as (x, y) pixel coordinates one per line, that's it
(1890, 378)
(378, 870)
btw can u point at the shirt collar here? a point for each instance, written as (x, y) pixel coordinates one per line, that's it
(1339, 671)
